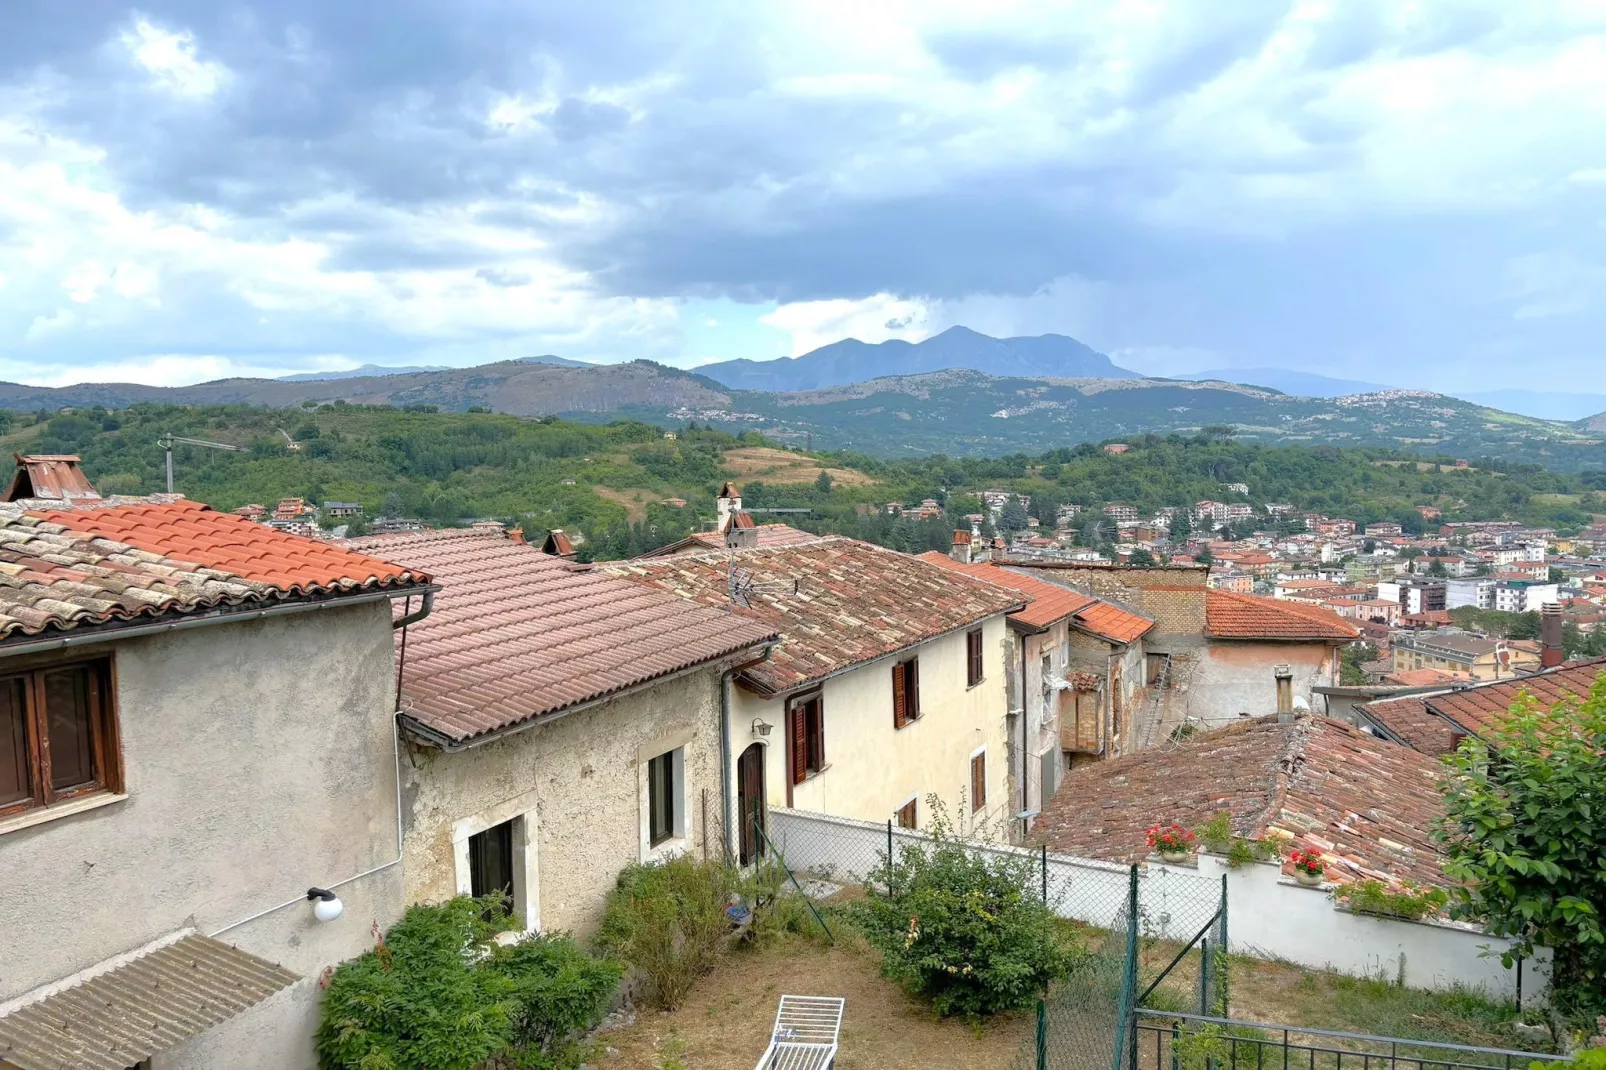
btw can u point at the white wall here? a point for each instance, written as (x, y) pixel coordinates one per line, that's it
(1269, 915)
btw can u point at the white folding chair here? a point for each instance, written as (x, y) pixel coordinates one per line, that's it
(805, 1034)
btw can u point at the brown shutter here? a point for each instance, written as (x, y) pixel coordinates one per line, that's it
(816, 728)
(800, 743)
(978, 782)
(900, 700)
(912, 683)
(973, 650)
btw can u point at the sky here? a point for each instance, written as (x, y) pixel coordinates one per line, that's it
(1411, 193)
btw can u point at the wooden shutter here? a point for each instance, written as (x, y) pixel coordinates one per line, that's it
(978, 782)
(799, 731)
(816, 732)
(973, 651)
(900, 696)
(912, 685)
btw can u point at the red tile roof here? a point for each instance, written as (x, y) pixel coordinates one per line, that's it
(853, 602)
(63, 569)
(1410, 720)
(1245, 616)
(1481, 705)
(516, 633)
(1051, 602)
(768, 535)
(50, 476)
(189, 531)
(1367, 804)
(1113, 623)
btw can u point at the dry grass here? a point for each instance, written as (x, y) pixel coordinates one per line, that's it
(724, 1023)
(779, 466)
(634, 499)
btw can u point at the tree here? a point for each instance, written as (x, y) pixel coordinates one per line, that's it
(1013, 516)
(1524, 837)
(1181, 527)
(1205, 557)
(1140, 556)
(1437, 570)
(823, 484)
(1557, 575)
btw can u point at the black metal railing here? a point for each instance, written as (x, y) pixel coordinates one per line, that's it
(1167, 1040)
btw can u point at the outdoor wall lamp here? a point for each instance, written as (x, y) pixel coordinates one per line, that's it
(760, 728)
(326, 905)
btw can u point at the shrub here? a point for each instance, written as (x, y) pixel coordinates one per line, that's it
(1407, 901)
(667, 919)
(436, 991)
(965, 929)
(1218, 838)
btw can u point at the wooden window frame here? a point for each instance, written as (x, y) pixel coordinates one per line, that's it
(975, 669)
(908, 815)
(805, 736)
(905, 692)
(105, 740)
(978, 784)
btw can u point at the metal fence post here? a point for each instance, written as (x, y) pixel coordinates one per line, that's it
(1204, 976)
(1226, 951)
(1045, 874)
(889, 856)
(1042, 1036)
(1129, 972)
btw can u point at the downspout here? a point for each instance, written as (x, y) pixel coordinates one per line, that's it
(1024, 717)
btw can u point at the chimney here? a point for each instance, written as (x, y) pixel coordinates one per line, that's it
(1285, 694)
(53, 477)
(558, 544)
(1550, 653)
(516, 534)
(727, 505)
(741, 538)
(960, 551)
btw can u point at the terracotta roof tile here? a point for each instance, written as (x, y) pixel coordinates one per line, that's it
(1367, 804)
(1114, 623)
(516, 633)
(1051, 602)
(63, 569)
(768, 535)
(1481, 705)
(854, 602)
(1245, 616)
(1410, 720)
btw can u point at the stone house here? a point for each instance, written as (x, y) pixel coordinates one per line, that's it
(888, 685)
(1075, 667)
(558, 724)
(196, 745)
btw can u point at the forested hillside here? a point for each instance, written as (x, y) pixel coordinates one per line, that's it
(609, 480)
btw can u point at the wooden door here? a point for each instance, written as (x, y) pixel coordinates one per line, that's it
(750, 799)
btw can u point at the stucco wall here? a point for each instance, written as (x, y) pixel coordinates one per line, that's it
(259, 762)
(874, 768)
(1174, 595)
(579, 776)
(1230, 678)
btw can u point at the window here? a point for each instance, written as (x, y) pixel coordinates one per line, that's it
(973, 674)
(663, 798)
(805, 733)
(978, 781)
(58, 736)
(905, 692)
(906, 815)
(490, 862)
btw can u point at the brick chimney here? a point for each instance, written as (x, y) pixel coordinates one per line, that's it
(516, 535)
(52, 477)
(1285, 693)
(1550, 652)
(960, 551)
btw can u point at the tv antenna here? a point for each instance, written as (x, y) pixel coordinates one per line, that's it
(742, 587)
(169, 440)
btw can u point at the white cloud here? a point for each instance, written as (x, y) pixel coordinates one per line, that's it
(1554, 284)
(812, 324)
(170, 58)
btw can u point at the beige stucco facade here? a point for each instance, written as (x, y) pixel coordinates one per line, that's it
(1236, 678)
(873, 768)
(575, 786)
(259, 762)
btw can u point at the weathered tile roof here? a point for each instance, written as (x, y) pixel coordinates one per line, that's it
(1246, 616)
(136, 1010)
(63, 569)
(1051, 602)
(516, 634)
(1410, 720)
(768, 535)
(51, 476)
(836, 602)
(1368, 805)
(1481, 705)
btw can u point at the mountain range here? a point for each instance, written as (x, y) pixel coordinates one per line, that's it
(853, 361)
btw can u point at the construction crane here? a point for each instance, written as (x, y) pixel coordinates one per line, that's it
(169, 440)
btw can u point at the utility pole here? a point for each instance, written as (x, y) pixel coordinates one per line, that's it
(169, 440)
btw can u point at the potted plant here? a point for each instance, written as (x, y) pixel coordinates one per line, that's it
(1308, 867)
(1171, 842)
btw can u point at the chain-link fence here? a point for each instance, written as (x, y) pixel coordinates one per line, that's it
(1150, 936)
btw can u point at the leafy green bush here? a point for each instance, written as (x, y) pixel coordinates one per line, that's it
(1217, 837)
(1407, 901)
(667, 919)
(437, 991)
(966, 930)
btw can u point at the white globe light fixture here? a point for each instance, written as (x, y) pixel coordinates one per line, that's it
(326, 905)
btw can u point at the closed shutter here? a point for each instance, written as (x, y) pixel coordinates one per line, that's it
(799, 729)
(978, 782)
(912, 684)
(973, 650)
(900, 697)
(816, 732)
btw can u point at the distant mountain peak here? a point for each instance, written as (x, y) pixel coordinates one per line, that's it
(852, 361)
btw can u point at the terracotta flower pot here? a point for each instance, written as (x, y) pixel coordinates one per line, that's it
(1309, 880)
(1176, 858)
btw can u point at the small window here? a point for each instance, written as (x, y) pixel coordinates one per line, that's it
(973, 674)
(806, 736)
(663, 798)
(906, 815)
(978, 782)
(58, 736)
(490, 862)
(905, 692)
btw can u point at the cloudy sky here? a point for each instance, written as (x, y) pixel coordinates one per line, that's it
(1405, 192)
